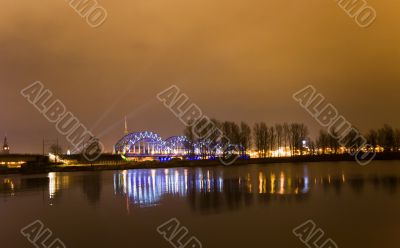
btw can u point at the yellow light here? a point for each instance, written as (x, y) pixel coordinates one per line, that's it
(272, 183)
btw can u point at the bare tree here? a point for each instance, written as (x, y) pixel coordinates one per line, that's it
(271, 139)
(303, 133)
(294, 136)
(352, 141)
(261, 138)
(386, 137)
(279, 135)
(297, 133)
(397, 139)
(245, 137)
(333, 142)
(55, 149)
(323, 141)
(312, 147)
(372, 138)
(257, 137)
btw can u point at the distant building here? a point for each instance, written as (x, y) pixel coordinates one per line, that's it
(6, 148)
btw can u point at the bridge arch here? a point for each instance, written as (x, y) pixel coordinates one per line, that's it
(178, 145)
(142, 143)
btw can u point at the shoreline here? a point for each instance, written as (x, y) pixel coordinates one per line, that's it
(46, 168)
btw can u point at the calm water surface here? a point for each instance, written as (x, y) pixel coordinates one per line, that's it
(246, 206)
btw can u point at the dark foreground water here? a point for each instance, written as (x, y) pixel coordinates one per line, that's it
(247, 206)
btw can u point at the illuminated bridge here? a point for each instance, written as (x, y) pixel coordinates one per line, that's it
(149, 144)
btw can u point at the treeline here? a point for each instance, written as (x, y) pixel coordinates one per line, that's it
(265, 138)
(286, 135)
(238, 134)
(287, 138)
(385, 139)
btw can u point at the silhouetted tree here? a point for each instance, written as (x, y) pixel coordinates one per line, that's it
(323, 141)
(286, 134)
(232, 131)
(297, 133)
(397, 139)
(55, 149)
(271, 138)
(312, 147)
(245, 136)
(353, 141)
(303, 133)
(386, 137)
(261, 138)
(333, 142)
(279, 135)
(372, 138)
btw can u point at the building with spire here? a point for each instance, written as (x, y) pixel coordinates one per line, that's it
(126, 132)
(6, 148)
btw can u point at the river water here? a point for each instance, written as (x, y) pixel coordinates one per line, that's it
(244, 206)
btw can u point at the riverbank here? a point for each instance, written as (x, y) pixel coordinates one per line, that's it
(46, 168)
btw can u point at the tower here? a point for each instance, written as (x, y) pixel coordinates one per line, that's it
(6, 148)
(126, 132)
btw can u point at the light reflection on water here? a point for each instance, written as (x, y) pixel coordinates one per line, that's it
(146, 188)
(205, 189)
(251, 204)
(56, 183)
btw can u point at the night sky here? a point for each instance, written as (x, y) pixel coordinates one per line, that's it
(237, 60)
